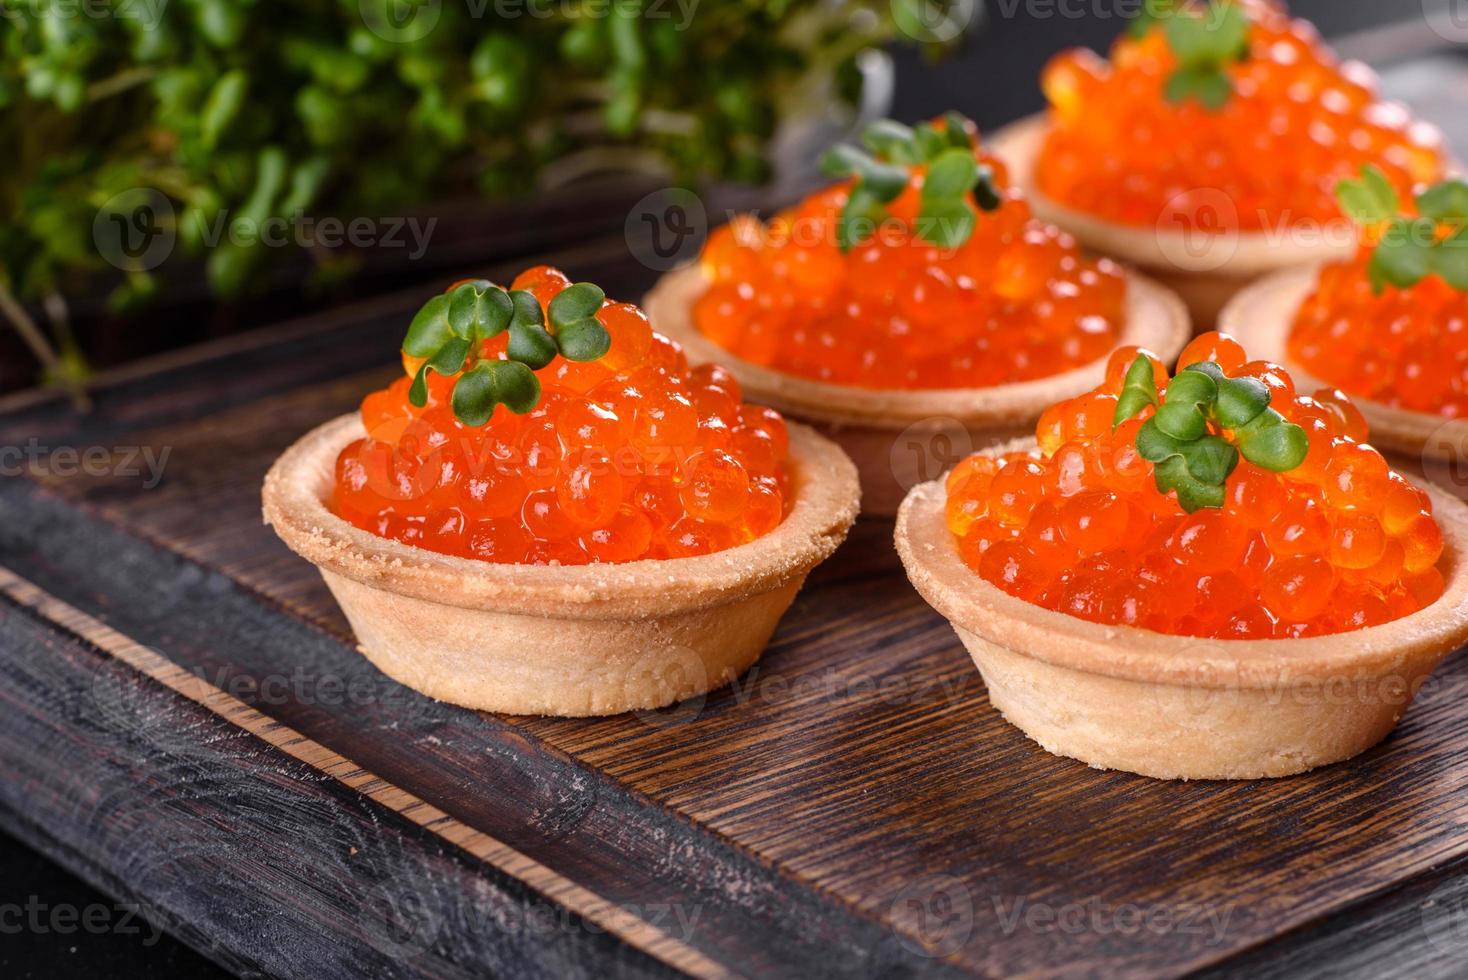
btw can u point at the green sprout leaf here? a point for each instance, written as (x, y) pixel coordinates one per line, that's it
(986, 190)
(1137, 392)
(1450, 259)
(859, 219)
(492, 383)
(1240, 401)
(1181, 415)
(891, 141)
(1194, 462)
(575, 303)
(1205, 43)
(447, 360)
(531, 345)
(1209, 86)
(1151, 12)
(1270, 442)
(430, 328)
(1370, 199)
(478, 310)
(1405, 253)
(583, 340)
(952, 174)
(1445, 201)
(946, 223)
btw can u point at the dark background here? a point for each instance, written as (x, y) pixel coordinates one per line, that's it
(992, 78)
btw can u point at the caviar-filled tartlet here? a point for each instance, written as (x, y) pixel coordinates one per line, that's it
(1208, 576)
(1206, 149)
(551, 513)
(1388, 325)
(913, 310)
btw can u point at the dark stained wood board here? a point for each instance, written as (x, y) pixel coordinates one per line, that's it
(852, 807)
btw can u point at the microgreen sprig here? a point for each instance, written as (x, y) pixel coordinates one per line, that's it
(1410, 249)
(1186, 456)
(448, 331)
(953, 179)
(1205, 43)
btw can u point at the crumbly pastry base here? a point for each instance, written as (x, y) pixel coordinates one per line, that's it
(1172, 707)
(1262, 316)
(1206, 271)
(899, 438)
(595, 639)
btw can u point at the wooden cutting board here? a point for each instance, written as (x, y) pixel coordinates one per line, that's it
(186, 722)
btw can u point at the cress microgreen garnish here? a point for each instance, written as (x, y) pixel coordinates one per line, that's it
(1185, 456)
(1410, 249)
(1205, 43)
(448, 330)
(954, 178)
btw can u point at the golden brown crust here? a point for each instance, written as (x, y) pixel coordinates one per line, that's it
(573, 641)
(1270, 713)
(1262, 316)
(825, 505)
(1155, 319)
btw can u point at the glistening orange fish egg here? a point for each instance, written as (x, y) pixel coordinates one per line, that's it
(633, 455)
(1016, 301)
(1078, 525)
(1298, 120)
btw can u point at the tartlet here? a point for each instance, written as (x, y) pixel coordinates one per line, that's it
(901, 435)
(1261, 317)
(1252, 119)
(593, 639)
(1119, 697)
(623, 537)
(1389, 325)
(1178, 579)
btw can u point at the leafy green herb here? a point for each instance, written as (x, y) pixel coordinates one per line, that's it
(1410, 249)
(1204, 41)
(1186, 458)
(1137, 392)
(449, 329)
(956, 186)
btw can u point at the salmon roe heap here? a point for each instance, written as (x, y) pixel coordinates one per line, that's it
(1296, 121)
(1017, 300)
(629, 456)
(1078, 525)
(1405, 347)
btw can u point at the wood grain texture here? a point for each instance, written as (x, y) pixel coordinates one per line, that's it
(851, 806)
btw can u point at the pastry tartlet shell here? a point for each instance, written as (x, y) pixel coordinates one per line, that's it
(1262, 316)
(902, 437)
(595, 639)
(1205, 270)
(1174, 707)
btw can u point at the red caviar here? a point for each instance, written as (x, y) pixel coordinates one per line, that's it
(1078, 525)
(1405, 347)
(1297, 122)
(1016, 301)
(634, 455)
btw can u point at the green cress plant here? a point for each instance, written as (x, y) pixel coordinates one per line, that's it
(1410, 249)
(237, 108)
